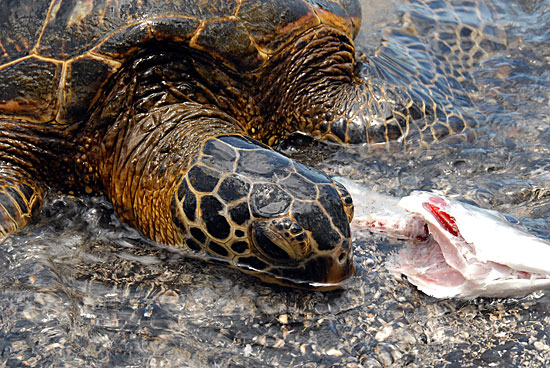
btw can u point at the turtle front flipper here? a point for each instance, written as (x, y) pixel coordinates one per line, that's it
(414, 90)
(186, 176)
(20, 198)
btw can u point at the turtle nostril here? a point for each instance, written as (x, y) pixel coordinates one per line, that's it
(342, 257)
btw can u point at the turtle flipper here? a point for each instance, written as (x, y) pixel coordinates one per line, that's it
(418, 84)
(416, 89)
(20, 198)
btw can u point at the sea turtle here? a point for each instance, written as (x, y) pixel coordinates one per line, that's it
(170, 109)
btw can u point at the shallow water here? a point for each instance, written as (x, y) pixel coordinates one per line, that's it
(77, 288)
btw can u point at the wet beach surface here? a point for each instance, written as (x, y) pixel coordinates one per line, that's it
(78, 288)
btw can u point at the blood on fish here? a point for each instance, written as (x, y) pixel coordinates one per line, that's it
(424, 237)
(446, 220)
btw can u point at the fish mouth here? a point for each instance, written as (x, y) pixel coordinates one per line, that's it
(452, 249)
(451, 262)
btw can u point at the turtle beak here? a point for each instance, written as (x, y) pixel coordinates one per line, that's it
(340, 272)
(292, 259)
(335, 271)
(328, 272)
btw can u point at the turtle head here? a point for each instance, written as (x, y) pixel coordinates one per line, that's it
(299, 234)
(248, 206)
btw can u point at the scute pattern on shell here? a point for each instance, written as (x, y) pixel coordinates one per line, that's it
(55, 55)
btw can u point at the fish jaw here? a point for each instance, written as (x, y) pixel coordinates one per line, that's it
(424, 265)
(452, 249)
(487, 233)
(471, 252)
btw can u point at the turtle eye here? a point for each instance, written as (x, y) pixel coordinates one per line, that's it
(347, 201)
(271, 244)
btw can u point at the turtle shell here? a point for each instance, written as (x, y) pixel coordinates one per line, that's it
(55, 55)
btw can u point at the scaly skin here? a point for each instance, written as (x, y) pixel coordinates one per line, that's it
(20, 199)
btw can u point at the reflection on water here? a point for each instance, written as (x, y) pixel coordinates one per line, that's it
(77, 288)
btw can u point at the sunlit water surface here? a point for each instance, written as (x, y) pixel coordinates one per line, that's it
(77, 288)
